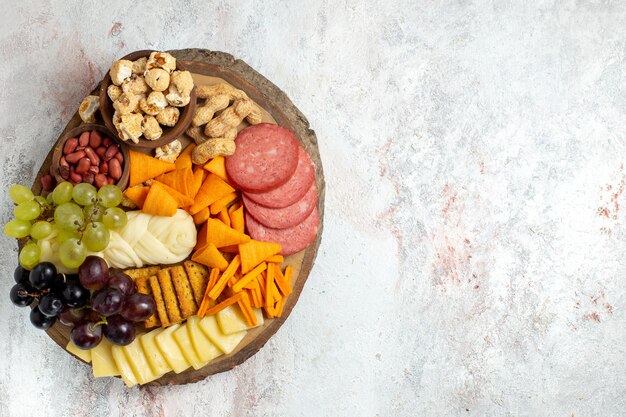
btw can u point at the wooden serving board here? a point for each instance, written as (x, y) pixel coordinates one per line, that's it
(209, 67)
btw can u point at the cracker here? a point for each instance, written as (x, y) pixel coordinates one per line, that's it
(169, 296)
(198, 278)
(184, 292)
(142, 272)
(143, 287)
(158, 299)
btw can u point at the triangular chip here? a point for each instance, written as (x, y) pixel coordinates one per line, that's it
(198, 178)
(184, 159)
(144, 168)
(181, 180)
(211, 257)
(221, 235)
(230, 249)
(137, 195)
(182, 199)
(223, 202)
(201, 237)
(159, 202)
(255, 252)
(217, 167)
(213, 188)
(201, 216)
(237, 221)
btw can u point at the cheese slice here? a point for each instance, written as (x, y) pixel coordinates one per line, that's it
(170, 350)
(124, 367)
(102, 360)
(153, 354)
(226, 343)
(138, 362)
(205, 349)
(84, 355)
(184, 343)
(232, 320)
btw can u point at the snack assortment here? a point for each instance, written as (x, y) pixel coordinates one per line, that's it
(175, 270)
(147, 94)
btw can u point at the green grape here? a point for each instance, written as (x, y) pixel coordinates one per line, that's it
(84, 194)
(29, 255)
(49, 199)
(94, 213)
(69, 216)
(65, 234)
(114, 218)
(20, 194)
(28, 210)
(17, 228)
(110, 196)
(41, 230)
(62, 193)
(96, 237)
(42, 201)
(72, 253)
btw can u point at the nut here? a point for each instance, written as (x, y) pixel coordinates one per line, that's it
(212, 148)
(151, 128)
(88, 108)
(168, 116)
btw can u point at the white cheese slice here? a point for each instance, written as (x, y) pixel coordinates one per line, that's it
(205, 349)
(226, 343)
(124, 367)
(138, 362)
(184, 343)
(232, 320)
(102, 360)
(153, 354)
(84, 355)
(170, 350)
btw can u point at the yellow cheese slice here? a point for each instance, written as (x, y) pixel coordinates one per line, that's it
(184, 343)
(226, 343)
(82, 354)
(124, 367)
(138, 362)
(153, 354)
(102, 360)
(205, 349)
(170, 350)
(232, 320)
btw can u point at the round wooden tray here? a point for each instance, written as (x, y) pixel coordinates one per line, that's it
(274, 101)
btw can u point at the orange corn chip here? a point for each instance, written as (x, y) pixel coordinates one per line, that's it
(223, 216)
(201, 216)
(213, 188)
(276, 259)
(181, 180)
(198, 177)
(221, 204)
(230, 249)
(217, 167)
(159, 202)
(144, 168)
(184, 159)
(221, 235)
(254, 252)
(237, 220)
(201, 239)
(137, 195)
(211, 257)
(182, 199)
(235, 207)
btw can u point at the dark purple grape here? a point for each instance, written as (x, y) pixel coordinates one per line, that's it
(86, 335)
(107, 301)
(71, 316)
(119, 331)
(40, 320)
(122, 282)
(75, 295)
(51, 304)
(138, 307)
(43, 276)
(93, 273)
(20, 295)
(21, 275)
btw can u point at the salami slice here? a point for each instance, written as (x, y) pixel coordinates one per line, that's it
(293, 239)
(266, 157)
(283, 218)
(291, 191)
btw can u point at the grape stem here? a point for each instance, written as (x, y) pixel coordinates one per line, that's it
(35, 294)
(103, 320)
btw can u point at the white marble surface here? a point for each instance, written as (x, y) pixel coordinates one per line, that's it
(472, 260)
